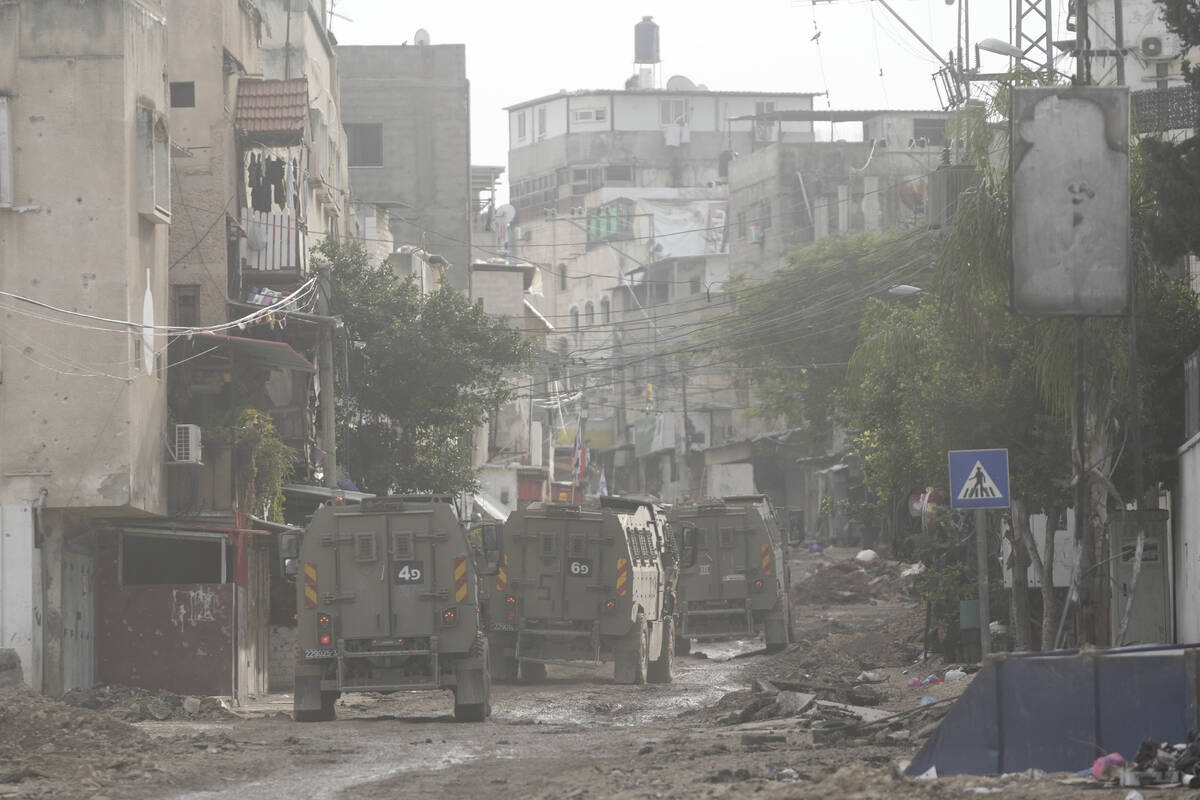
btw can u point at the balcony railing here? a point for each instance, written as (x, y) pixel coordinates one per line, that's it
(273, 242)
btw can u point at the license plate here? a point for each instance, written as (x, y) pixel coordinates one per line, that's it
(320, 652)
(502, 626)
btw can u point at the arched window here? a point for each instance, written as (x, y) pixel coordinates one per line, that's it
(605, 311)
(589, 314)
(574, 316)
(562, 277)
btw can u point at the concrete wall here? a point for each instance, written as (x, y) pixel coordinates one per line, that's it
(419, 94)
(1187, 544)
(76, 410)
(20, 590)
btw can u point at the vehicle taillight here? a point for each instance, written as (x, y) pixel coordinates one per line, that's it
(324, 629)
(449, 617)
(609, 605)
(511, 614)
(758, 585)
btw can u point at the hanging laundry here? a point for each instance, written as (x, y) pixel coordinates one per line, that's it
(274, 175)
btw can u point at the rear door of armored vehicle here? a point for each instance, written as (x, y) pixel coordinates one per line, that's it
(557, 565)
(394, 570)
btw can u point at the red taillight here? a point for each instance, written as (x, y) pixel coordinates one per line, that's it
(758, 584)
(510, 616)
(510, 600)
(610, 604)
(449, 617)
(324, 629)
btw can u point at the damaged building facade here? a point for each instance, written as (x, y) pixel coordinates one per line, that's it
(639, 206)
(163, 327)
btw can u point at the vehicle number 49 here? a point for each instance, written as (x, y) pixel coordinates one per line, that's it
(410, 572)
(580, 567)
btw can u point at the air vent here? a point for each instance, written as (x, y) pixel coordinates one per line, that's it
(578, 547)
(365, 546)
(548, 547)
(402, 546)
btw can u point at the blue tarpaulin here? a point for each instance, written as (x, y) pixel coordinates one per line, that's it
(1059, 711)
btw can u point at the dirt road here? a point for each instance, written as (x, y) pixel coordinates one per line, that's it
(577, 735)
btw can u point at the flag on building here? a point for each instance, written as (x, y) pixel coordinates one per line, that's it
(578, 454)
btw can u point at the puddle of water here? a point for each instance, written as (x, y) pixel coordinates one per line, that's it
(371, 764)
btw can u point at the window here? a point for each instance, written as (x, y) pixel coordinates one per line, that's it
(605, 311)
(573, 314)
(154, 166)
(521, 132)
(173, 559)
(618, 173)
(183, 94)
(562, 277)
(365, 145)
(741, 224)
(6, 159)
(933, 131)
(589, 114)
(694, 285)
(541, 122)
(764, 107)
(185, 305)
(589, 314)
(672, 112)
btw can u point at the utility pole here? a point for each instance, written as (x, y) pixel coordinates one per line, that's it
(1084, 540)
(325, 378)
(685, 473)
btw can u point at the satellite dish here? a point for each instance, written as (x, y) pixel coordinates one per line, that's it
(680, 83)
(505, 214)
(421, 36)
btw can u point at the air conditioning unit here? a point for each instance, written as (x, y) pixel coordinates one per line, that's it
(1164, 47)
(187, 444)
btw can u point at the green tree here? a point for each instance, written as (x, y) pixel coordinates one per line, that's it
(432, 367)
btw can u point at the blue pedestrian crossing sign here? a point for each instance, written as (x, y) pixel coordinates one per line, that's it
(979, 479)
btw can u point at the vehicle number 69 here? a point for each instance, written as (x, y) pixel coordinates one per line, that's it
(580, 567)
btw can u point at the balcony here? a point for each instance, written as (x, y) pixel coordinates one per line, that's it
(273, 248)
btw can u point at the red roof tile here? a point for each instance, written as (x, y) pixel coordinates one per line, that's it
(272, 108)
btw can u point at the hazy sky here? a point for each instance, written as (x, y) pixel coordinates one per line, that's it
(519, 50)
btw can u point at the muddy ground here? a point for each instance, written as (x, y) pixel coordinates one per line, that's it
(723, 728)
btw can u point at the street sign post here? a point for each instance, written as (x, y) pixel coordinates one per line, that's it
(979, 480)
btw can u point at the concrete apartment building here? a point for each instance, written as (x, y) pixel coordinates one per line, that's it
(638, 205)
(407, 118)
(84, 211)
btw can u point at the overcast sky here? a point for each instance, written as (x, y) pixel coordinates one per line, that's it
(519, 50)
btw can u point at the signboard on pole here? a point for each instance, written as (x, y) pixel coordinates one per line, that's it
(1070, 200)
(979, 479)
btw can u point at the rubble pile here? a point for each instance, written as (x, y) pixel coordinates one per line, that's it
(831, 721)
(44, 738)
(852, 581)
(140, 705)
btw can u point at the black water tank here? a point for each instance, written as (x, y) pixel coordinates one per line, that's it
(645, 42)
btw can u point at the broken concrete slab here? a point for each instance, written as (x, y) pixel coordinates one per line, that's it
(862, 712)
(10, 668)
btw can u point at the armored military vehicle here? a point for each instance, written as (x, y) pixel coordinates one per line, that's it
(735, 577)
(579, 585)
(387, 600)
